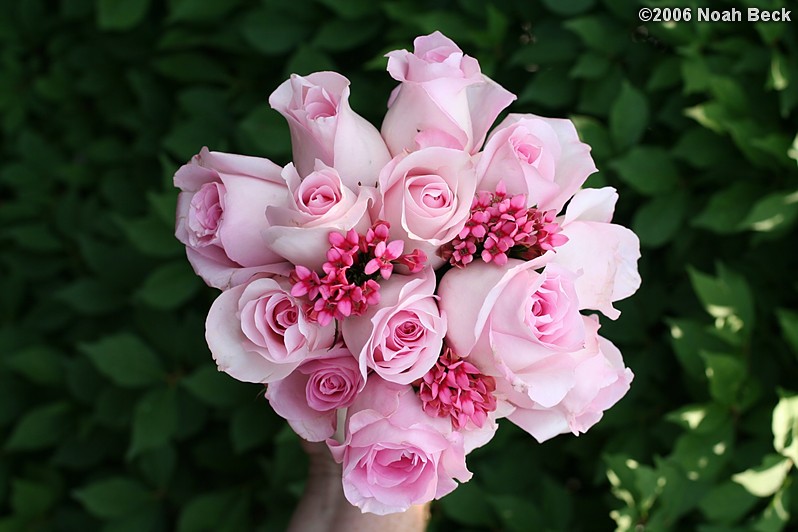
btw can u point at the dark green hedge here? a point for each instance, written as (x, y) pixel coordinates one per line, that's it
(112, 415)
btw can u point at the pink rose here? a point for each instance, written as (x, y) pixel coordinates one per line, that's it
(316, 205)
(426, 197)
(514, 323)
(324, 127)
(600, 381)
(542, 158)
(220, 216)
(309, 397)
(394, 455)
(604, 255)
(257, 332)
(443, 99)
(401, 337)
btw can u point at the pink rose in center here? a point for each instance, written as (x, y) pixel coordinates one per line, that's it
(316, 205)
(401, 337)
(426, 197)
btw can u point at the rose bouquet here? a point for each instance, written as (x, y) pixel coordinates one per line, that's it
(400, 291)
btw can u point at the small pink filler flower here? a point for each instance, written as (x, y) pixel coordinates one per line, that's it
(354, 263)
(501, 226)
(456, 388)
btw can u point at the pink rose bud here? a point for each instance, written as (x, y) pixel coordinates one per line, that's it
(220, 216)
(443, 100)
(324, 126)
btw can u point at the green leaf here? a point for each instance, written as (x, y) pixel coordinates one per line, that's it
(568, 9)
(660, 219)
(550, 88)
(218, 389)
(190, 67)
(628, 117)
(250, 426)
(648, 170)
(208, 512)
(272, 32)
(703, 455)
(200, 10)
(788, 320)
(468, 505)
(727, 298)
(90, 296)
(151, 236)
(351, 9)
(727, 503)
(766, 479)
(267, 131)
(120, 14)
(688, 339)
(785, 427)
(171, 285)
(722, 213)
(702, 148)
(591, 65)
(113, 497)
(518, 514)
(154, 421)
(774, 211)
(777, 515)
(726, 374)
(41, 364)
(599, 32)
(125, 359)
(338, 35)
(40, 427)
(33, 499)
(158, 465)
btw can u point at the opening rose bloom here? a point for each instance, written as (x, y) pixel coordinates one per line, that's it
(602, 253)
(220, 216)
(541, 158)
(394, 455)
(515, 324)
(258, 332)
(309, 397)
(401, 337)
(316, 205)
(426, 197)
(443, 100)
(323, 126)
(600, 381)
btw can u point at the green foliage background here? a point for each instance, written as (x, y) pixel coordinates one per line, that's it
(112, 415)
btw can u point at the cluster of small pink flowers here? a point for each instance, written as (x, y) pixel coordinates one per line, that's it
(501, 224)
(354, 262)
(456, 388)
